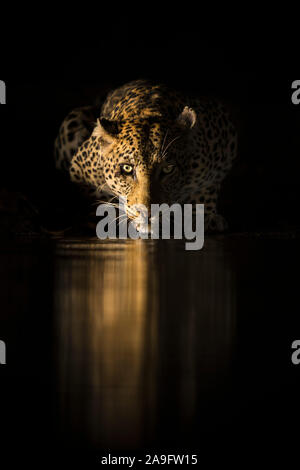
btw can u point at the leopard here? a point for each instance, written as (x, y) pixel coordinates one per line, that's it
(149, 143)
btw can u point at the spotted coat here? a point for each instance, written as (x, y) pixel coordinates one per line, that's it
(177, 148)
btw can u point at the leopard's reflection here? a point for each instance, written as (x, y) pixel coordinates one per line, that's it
(141, 336)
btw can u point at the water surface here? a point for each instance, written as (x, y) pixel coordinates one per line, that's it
(130, 345)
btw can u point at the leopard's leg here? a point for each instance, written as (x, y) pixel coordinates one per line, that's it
(208, 195)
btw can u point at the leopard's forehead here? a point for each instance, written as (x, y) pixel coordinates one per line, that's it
(141, 140)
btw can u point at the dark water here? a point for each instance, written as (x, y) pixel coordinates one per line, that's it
(123, 346)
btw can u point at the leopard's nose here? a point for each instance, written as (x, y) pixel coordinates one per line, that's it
(139, 211)
(138, 214)
(148, 225)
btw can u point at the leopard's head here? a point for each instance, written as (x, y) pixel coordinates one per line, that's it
(144, 160)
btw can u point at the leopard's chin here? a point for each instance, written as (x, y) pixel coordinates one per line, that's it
(144, 227)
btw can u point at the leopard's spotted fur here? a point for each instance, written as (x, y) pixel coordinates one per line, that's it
(151, 129)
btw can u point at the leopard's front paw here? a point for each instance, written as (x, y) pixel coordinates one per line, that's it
(215, 223)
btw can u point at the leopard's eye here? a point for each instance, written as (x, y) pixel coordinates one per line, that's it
(126, 169)
(168, 169)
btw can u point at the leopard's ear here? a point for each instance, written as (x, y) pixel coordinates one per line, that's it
(105, 129)
(187, 118)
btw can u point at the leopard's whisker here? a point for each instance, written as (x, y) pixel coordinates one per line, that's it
(102, 201)
(124, 216)
(114, 197)
(116, 219)
(164, 141)
(170, 143)
(100, 188)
